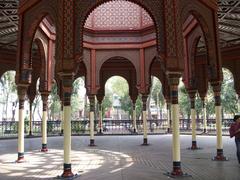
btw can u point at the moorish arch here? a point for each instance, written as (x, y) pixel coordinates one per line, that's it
(119, 66)
(32, 21)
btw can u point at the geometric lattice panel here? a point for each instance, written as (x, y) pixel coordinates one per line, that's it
(118, 15)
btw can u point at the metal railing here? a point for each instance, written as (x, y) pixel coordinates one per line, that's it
(80, 127)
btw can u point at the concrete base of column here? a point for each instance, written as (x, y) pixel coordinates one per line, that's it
(67, 172)
(177, 171)
(205, 131)
(92, 142)
(169, 130)
(20, 158)
(220, 156)
(61, 133)
(44, 148)
(194, 146)
(30, 135)
(145, 142)
(100, 132)
(134, 131)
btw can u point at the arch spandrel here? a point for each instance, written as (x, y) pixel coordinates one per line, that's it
(29, 22)
(206, 18)
(103, 56)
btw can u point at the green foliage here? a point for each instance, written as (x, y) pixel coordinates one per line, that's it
(76, 99)
(9, 89)
(119, 86)
(156, 92)
(126, 103)
(228, 94)
(54, 103)
(184, 102)
(107, 103)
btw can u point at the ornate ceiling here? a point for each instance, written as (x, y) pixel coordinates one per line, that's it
(229, 22)
(118, 15)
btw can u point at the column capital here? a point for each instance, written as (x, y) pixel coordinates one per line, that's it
(22, 92)
(25, 76)
(67, 81)
(44, 96)
(173, 80)
(133, 106)
(144, 101)
(192, 96)
(91, 98)
(216, 85)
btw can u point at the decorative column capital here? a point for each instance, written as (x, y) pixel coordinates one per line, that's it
(67, 81)
(44, 96)
(192, 96)
(91, 98)
(25, 76)
(133, 106)
(22, 92)
(173, 79)
(144, 101)
(216, 85)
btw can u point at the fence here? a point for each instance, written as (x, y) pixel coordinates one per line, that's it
(10, 128)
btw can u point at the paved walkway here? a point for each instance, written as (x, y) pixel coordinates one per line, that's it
(119, 158)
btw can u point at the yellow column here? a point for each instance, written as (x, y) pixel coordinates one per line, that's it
(67, 80)
(175, 136)
(62, 120)
(30, 120)
(134, 119)
(218, 108)
(192, 95)
(204, 116)
(168, 117)
(44, 123)
(67, 134)
(193, 118)
(91, 119)
(238, 102)
(67, 141)
(100, 119)
(21, 96)
(176, 156)
(144, 118)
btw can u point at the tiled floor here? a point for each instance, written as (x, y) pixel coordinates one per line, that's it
(119, 158)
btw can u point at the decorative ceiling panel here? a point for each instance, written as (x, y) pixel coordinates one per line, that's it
(118, 15)
(121, 14)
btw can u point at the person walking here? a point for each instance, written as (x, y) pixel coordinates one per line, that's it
(235, 131)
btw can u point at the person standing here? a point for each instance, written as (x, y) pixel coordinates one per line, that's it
(235, 131)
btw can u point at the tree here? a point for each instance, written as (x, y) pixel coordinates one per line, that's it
(77, 98)
(106, 104)
(9, 90)
(156, 94)
(126, 103)
(184, 102)
(54, 103)
(228, 94)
